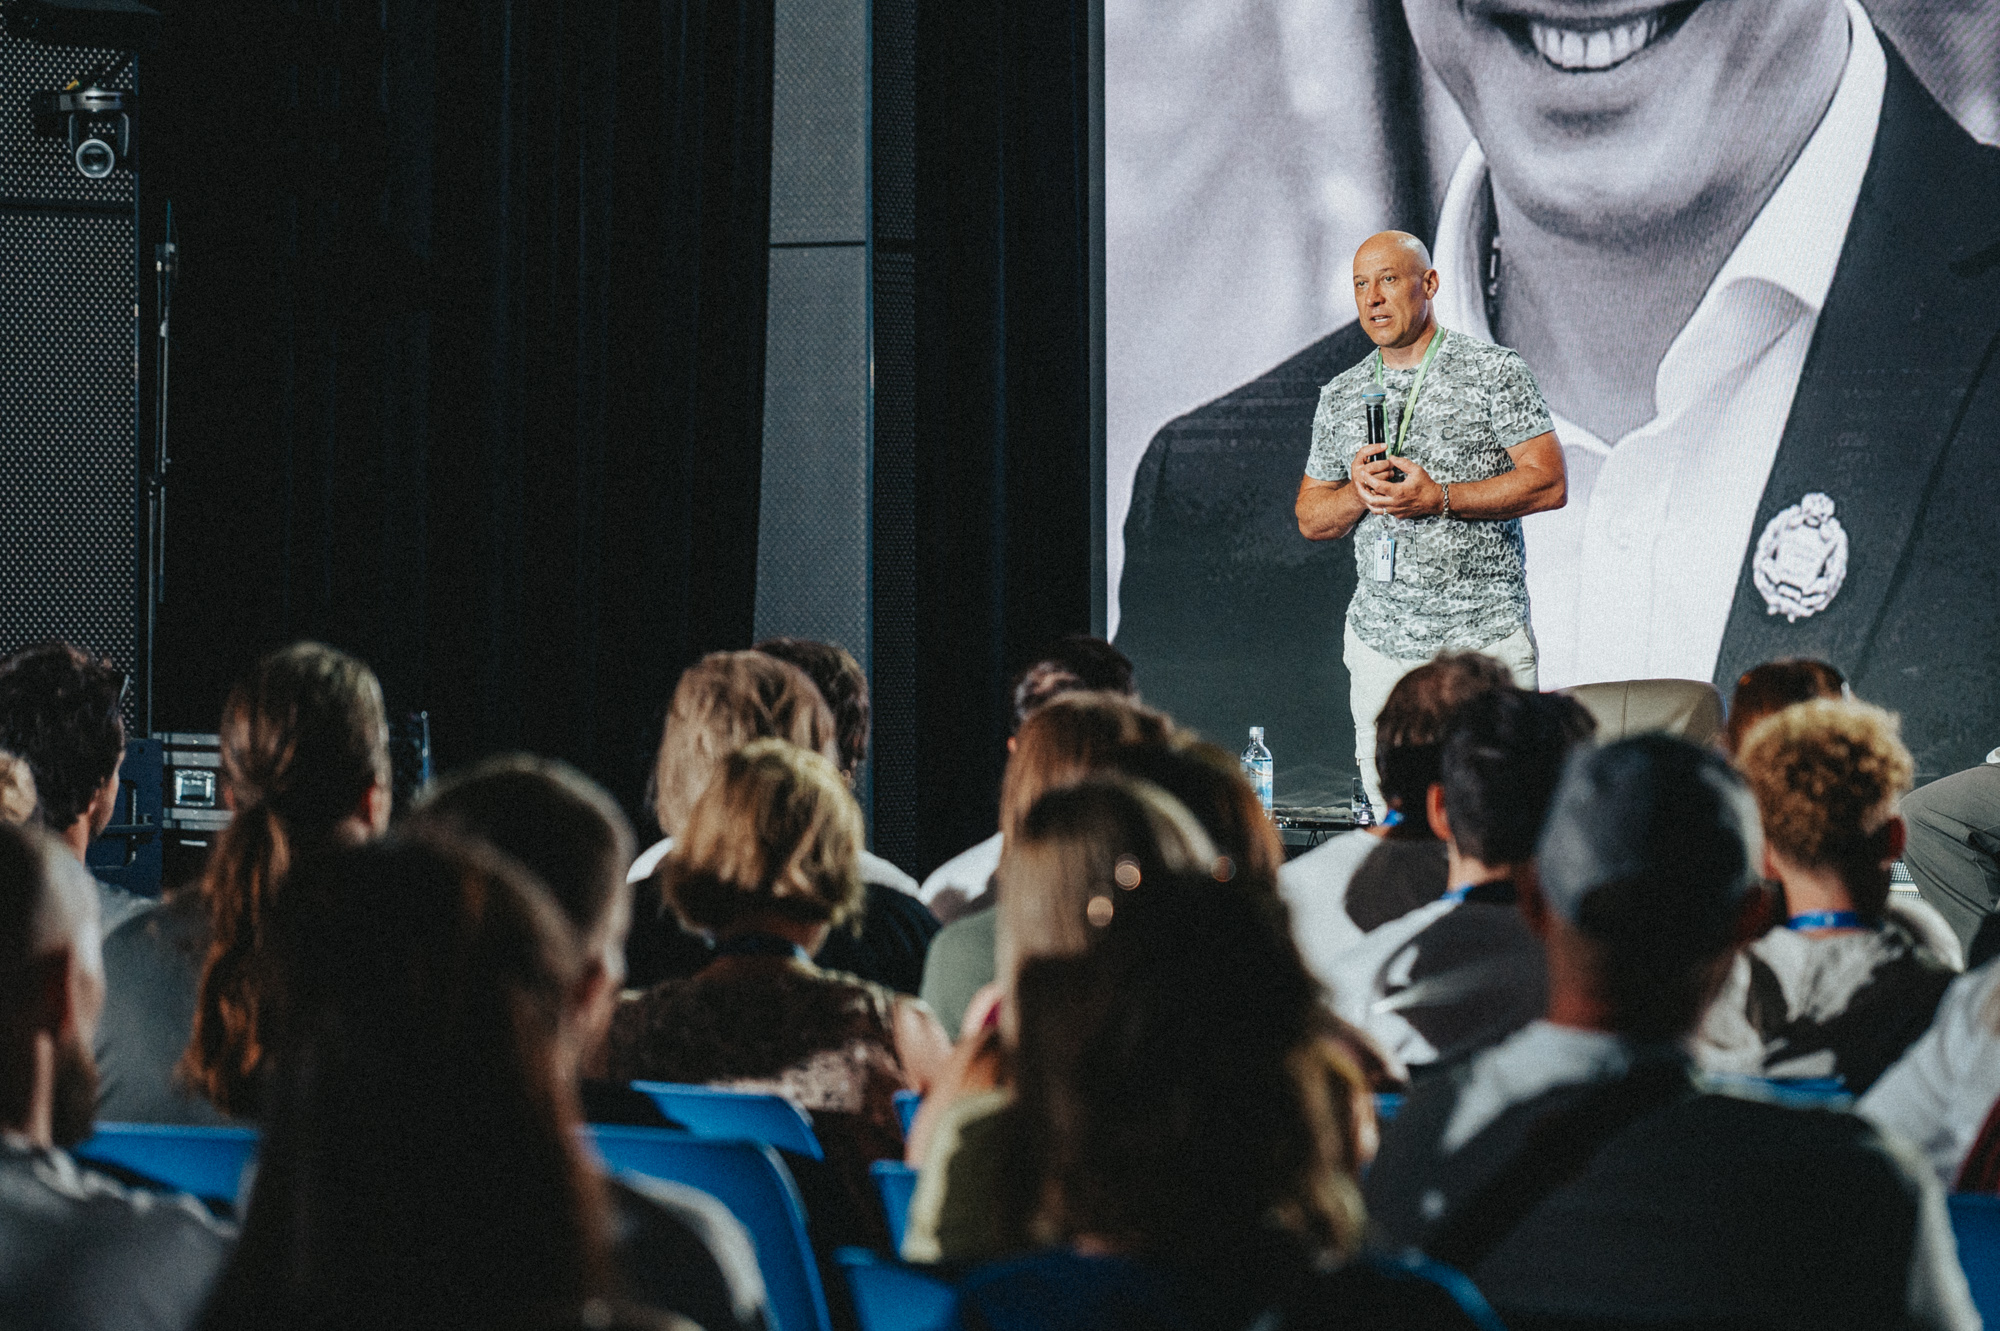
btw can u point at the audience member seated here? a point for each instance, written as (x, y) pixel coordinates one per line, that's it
(896, 928)
(675, 1247)
(17, 790)
(1943, 1095)
(422, 1162)
(767, 864)
(1356, 882)
(305, 766)
(77, 1251)
(60, 710)
(1841, 990)
(1075, 663)
(1062, 740)
(722, 702)
(1770, 688)
(1576, 1172)
(1465, 970)
(1177, 1143)
(1954, 853)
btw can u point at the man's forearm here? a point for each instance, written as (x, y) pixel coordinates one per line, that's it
(1329, 512)
(1513, 495)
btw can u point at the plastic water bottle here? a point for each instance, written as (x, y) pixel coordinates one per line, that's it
(1257, 766)
(1362, 812)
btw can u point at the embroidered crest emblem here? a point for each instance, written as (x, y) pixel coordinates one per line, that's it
(1801, 559)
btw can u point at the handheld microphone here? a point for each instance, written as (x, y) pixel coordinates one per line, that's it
(1378, 429)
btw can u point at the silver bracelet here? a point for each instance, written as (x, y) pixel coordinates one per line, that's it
(1445, 512)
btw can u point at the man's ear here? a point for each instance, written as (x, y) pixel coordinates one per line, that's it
(103, 803)
(374, 807)
(1756, 915)
(1897, 833)
(1534, 907)
(1434, 812)
(1430, 282)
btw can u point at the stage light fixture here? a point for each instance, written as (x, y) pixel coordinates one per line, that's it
(95, 121)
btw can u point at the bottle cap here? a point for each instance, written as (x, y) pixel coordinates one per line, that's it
(1256, 732)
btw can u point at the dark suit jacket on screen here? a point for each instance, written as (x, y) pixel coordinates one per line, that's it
(1235, 619)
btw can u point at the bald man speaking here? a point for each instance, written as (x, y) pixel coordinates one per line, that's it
(1470, 451)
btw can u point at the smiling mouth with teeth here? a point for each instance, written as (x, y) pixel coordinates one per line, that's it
(1596, 47)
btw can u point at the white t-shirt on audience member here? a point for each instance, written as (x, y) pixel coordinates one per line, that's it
(1937, 1096)
(961, 880)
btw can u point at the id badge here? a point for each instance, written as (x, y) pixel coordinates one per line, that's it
(1385, 558)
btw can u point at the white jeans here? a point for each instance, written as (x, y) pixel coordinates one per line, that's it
(1371, 676)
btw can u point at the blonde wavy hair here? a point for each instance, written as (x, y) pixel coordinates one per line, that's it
(722, 702)
(1827, 775)
(777, 830)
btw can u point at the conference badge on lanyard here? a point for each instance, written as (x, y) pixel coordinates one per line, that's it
(1385, 540)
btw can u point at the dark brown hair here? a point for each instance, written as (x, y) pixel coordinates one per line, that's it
(1175, 1096)
(1209, 781)
(422, 1164)
(1411, 728)
(59, 710)
(841, 682)
(1774, 686)
(1067, 739)
(303, 739)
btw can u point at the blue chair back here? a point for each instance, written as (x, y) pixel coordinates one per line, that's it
(1791, 1092)
(1975, 1223)
(906, 1108)
(749, 1179)
(205, 1161)
(1388, 1104)
(897, 1183)
(735, 1115)
(889, 1296)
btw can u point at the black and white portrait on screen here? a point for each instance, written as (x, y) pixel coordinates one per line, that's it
(1750, 255)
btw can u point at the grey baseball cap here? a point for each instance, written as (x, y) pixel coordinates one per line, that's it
(1656, 812)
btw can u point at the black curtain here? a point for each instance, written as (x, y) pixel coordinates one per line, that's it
(1003, 380)
(468, 353)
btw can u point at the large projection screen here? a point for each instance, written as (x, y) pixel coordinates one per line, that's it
(1250, 145)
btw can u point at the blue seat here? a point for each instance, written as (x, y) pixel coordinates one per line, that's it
(897, 1183)
(1791, 1092)
(889, 1296)
(735, 1115)
(1388, 1104)
(207, 1162)
(906, 1108)
(1975, 1223)
(749, 1179)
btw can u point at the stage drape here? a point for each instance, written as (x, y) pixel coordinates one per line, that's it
(1003, 380)
(468, 354)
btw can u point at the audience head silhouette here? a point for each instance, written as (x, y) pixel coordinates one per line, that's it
(421, 1162)
(1075, 663)
(724, 701)
(1499, 770)
(1826, 775)
(1208, 781)
(1176, 1100)
(1067, 739)
(562, 827)
(772, 844)
(1411, 728)
(59, 710)
(51, 989)
(841, 682)
(1774, 686)
(305, 767)
(1648, 875)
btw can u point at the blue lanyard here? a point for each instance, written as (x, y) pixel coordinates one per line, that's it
(1416, 386)
(1829, 919)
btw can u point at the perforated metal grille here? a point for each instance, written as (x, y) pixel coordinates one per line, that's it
(68, 456)
(895, 127)
(38, 168)
(893, 654)
(819, 122)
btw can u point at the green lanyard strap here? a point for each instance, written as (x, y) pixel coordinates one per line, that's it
(1416, 386)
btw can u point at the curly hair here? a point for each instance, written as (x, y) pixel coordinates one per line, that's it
(776, 831)
(841, 681)
(1827, 775)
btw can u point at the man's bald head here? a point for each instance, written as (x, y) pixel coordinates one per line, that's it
(1393, 286)
(1393, 247)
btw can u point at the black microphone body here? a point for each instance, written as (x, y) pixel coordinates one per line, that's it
(1378, 432)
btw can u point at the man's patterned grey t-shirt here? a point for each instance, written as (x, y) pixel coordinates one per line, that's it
(1459, 586)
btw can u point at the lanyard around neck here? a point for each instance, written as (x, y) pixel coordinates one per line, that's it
(1416, 385)
(1829, 919)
